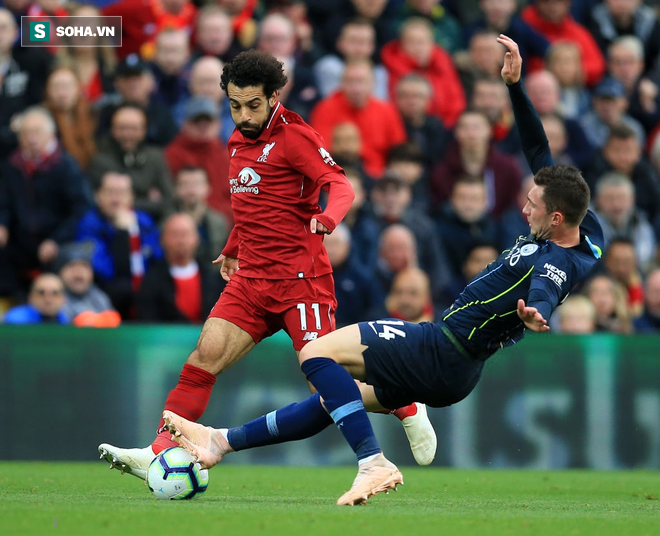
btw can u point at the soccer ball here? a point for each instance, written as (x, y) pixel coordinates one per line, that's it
(174, 474)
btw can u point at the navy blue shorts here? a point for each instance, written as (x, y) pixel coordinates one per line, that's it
(408, 363)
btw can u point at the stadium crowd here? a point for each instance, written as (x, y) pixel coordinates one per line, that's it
(114, 194)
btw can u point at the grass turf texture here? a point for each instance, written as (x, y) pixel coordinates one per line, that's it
(88, 499)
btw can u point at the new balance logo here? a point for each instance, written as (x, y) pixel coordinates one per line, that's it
(311, 336)
(266, 152)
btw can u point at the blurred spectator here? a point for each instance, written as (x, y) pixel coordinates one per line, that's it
(125, 241)
(72, 115)
(464, 221)
(406, 161)
(609, 300)
(409, 298)
(544, 92)
(552, 19)
(391, 198)
(397, 250)
(621, 265)
(473, 155)
(513, 222)
(609, 110)
(214, 35)
(480, 255)
(499, 17)
(379, 122)
(565, 63)
(177, 289)
(446, 30)
(491, 97)
(614, 18)
(358, 298)
(415, 51)
(377, 12)
(412, 97)
(555, 131)
(649, 322)
(192, 190)
(614, 202)
(204, 82)
(89, 57)
(577, 315)
(23, 72)
(296, 11)
(134, 84)
(86, 304)
(143, 21)
(623, 153)
(43, 194)
(277, 36)
(625, 62)
(170, 67)
(45, 303)
(125, 151)
(242, 14)
(199, 145)
(346, 146)
(482, 59)
(356, 41)
(363, 226)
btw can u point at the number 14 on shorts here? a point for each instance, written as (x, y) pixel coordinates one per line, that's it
(386, 329)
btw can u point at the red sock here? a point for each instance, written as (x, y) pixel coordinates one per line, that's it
(401, 413)
(189, 399)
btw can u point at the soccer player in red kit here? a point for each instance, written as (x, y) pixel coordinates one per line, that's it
(278, 272)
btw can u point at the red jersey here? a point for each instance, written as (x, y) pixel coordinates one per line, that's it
(274, 182)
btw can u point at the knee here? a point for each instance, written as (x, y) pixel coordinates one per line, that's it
(308, 352)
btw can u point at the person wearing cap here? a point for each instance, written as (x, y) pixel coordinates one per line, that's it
(609, 105)
(74, 267)
(126, 151)
(199, 145)
(134, 83)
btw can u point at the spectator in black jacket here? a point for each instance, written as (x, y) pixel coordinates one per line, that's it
(43, 194)
(177, 289)
(23, 73)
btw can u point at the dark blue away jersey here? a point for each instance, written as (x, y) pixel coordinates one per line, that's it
(484, 317)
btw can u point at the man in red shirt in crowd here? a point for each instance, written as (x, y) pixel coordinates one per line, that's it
(278, 272)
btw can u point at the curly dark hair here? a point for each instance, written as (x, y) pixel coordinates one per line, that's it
(565, 191)
(254, 68)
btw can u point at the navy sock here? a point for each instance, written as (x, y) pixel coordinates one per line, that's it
(343, 401)
(290, 423)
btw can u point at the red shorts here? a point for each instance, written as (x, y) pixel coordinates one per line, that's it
(304, 308)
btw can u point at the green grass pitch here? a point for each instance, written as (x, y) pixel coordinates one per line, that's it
(87, 499)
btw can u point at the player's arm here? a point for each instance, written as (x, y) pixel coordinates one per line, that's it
(340, 198)
(228, 259)
(549, 278)
(307, 154)
(534, 141)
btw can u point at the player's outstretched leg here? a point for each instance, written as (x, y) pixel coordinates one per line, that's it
(206, 444)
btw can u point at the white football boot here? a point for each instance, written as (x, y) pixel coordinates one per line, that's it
(377, 476)
(421, 435)
(132, 461)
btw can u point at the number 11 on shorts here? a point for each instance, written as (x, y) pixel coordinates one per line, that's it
(388, 332)
(303, 316)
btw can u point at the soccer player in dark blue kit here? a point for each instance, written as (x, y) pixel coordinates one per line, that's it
(396, 362)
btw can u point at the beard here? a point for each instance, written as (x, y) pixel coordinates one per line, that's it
(252, 131)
